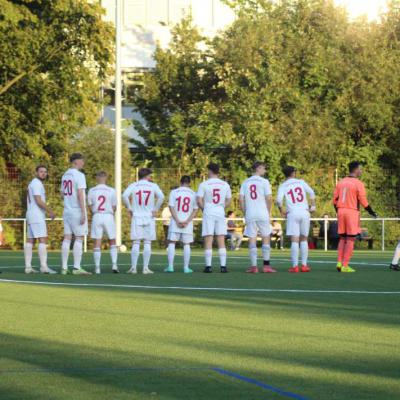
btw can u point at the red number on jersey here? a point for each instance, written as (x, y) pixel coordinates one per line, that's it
(216, 196)
(146, 199)
(101, 199)
(253, 192)
(185, 203)
(67, 187)
(300, 196)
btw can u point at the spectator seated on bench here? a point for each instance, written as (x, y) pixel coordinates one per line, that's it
(365, 236)
(277, 234)
(234, 235)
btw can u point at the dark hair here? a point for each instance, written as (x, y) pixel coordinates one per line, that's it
(40, 166)
(288, 170)
(143, 172)
(353, 166)
(185, 179)
(256, 165)
(230, 213)
(75, 156)
(101, 174)
(214, 168)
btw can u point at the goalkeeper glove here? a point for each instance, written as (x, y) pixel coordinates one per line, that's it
(371, 212)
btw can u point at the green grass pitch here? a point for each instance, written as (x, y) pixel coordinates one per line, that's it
(107, 341)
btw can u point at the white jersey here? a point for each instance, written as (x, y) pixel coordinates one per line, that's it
(102, 199)
(254, 190)
(35, 214)
(183, 201)
(214, 191)
(71, 182)
(294, 191)
(141, 198)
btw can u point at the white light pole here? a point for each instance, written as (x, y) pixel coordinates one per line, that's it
(118, 115)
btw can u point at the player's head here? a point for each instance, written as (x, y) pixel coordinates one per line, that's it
(259, 168)
(289, 171)
(145, 173)
(77, 160)
(41, 172)
(101, 177)
(355, 169)
(213, 170)
(231, 214)
(185, 180)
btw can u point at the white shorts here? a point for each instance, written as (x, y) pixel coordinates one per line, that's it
(214, 226)
(37, 230)
(143, 232)
(103, 223)
(298, 224)
(257, 228)
(72, 225)
(180, 237)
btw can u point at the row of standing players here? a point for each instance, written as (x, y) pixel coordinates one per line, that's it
(144, 198)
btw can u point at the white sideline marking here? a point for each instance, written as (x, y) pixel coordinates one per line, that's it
(215, 289)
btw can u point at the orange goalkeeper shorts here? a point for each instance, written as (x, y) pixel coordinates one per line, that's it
(348, 222)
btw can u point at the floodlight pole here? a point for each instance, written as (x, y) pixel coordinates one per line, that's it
(118, 116)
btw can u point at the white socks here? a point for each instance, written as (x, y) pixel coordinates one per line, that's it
(42, 250)
(253, 255)
(208, 257)
(28, 255)
(222, 257)
(304, 252)
(135, 254)
(266, 252)
(186, 256)
(146, 255)
(65, 253)
(114, 254)
(171, 255)
(396, 256)
(77, 252)
(294, 253)
(97, 258)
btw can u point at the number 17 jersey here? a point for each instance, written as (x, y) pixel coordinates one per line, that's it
(183, 201)
(254, 190)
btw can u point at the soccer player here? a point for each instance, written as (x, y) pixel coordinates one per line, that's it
(256, 201)
(143, 200)
(102, 200)
(73, 187)
(294, 191)
(395, 262)
(183, 207)
(35, 217)
(213, 196)
(348, 196)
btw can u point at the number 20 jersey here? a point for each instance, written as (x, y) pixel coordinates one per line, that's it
(295, 191)
(183, 200)
(71, 182)
(254, 190)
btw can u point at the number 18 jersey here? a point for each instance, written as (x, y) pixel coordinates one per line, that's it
(183, 200)
(295, 191)
(102, 199)
(254, 190)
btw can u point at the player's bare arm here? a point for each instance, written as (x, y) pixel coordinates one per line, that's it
(268, 200)
(44, 206)
(125, 199)
(81, 199)
(200, 203)
(242, 203)
(191, 217)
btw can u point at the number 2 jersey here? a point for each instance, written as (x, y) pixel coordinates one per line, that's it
(214, 191)
(183, 201)
(294, 192)
(141, 197)
(102, 199)
(254, 190)
(71, 182)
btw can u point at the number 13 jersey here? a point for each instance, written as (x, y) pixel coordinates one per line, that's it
(295, 191)
(254, 190)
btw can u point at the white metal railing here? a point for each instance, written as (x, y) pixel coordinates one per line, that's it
(324, 220)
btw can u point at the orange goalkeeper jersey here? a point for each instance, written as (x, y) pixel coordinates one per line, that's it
(350, 193)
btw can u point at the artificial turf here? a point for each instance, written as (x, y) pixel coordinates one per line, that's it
(114, 342)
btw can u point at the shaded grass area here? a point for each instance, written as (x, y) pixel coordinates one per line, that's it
(95, 343)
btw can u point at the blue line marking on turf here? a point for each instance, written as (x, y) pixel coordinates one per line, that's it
(260, 384)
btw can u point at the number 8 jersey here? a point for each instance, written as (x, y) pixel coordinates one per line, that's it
(294, 191)
(254, 190)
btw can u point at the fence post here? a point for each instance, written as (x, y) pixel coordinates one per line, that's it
(325, 233)
(85, 244)
(383, 234)
(24, 235)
